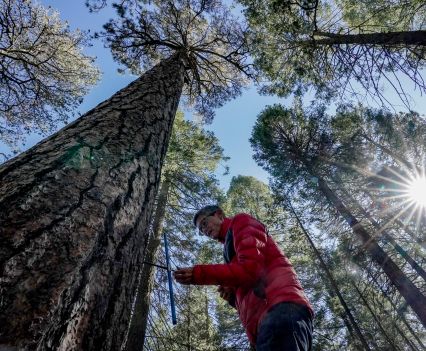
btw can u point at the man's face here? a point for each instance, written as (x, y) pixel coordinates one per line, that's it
(210, 224)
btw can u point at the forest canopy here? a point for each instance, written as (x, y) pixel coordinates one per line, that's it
(85, 213)
(339, 48)
(44, 74)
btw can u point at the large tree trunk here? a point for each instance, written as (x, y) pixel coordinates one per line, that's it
(335, 288)
(137, 329)
(406, 288)
(74, 213)
(409, 38)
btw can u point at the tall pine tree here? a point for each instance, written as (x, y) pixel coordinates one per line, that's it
(75, 209)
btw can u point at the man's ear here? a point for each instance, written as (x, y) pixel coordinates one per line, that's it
(220, 214)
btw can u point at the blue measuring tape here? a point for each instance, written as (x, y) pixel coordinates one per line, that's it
(169, 279)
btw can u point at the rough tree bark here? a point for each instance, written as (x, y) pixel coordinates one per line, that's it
(74, 215)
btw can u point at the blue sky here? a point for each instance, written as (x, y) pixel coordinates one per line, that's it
(233, 122)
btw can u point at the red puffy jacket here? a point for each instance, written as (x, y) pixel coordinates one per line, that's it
(257, 269)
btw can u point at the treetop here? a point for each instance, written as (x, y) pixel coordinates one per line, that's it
(204, 33)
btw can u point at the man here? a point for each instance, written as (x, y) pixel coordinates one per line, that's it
(257, 279)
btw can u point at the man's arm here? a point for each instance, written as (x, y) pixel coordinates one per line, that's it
(250, 239)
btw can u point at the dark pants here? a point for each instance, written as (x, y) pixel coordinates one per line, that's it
(286, 327)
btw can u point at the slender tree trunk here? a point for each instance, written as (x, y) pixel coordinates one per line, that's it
(414, 265)
(331, 279)
(391, 345)
(395, 326)
(188, 325)
(399, 313)
(348, 325)
(137, 329)
(406, 288)
(206, 312)
(420, 241)
(408, 38)
(74, 212)
(404, 227)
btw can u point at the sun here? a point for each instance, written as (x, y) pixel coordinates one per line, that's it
(416, 191)
(401, 195)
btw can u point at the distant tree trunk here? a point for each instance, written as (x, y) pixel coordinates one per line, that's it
(333, 283)
(406, 288)
(400, 332)
(188, 323)
(74, 213)
(351, 337)
(398, 311)
(391, 345)
(206, 312)
(136, 336)
(421, 241)
(408, 38)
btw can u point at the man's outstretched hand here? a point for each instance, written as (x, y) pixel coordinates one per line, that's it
(183, 275)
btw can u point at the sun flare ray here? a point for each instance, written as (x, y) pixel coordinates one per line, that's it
(405, 193)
